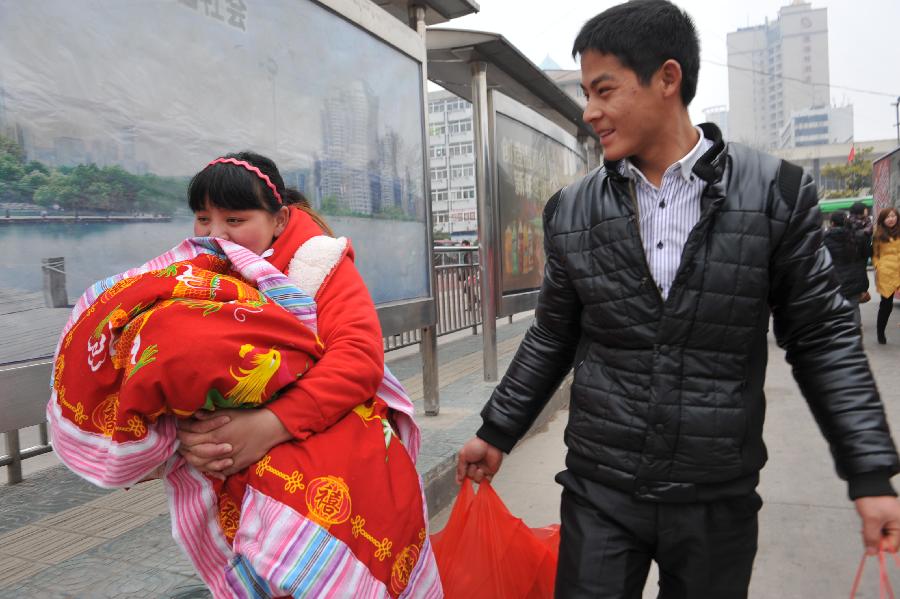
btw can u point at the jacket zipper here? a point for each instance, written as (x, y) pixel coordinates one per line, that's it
(637, 224)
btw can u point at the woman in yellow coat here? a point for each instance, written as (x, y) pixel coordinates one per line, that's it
(886, 259)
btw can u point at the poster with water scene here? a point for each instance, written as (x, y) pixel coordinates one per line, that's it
(107, 109)
(532, 167)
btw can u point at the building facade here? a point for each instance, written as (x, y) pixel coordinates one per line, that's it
(570, 82)
(776, 69)
(451, 161)
(817, 126)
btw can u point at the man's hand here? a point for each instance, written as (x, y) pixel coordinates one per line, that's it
(223, 442)
(881, 523)
(478, 460)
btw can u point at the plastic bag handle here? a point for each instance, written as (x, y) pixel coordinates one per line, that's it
(885, 591)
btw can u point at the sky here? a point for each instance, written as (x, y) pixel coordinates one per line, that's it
(864, 45)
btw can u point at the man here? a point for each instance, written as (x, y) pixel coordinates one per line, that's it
(850, 248)
(860, 219)
(663, 268)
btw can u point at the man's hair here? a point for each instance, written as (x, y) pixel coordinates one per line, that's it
(642, 35)
(858, 209)
(838, 218)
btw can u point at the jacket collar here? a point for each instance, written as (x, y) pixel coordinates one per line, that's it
(710, 166)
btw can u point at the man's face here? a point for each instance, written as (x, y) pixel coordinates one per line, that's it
(622, 111)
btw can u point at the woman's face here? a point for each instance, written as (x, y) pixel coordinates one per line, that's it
(891, 219)
(253, 229)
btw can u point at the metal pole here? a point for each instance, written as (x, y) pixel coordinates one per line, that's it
(897, 124)
(54, 270)
(428, 346)
(449, 173)
(14, 469)
(487, 246)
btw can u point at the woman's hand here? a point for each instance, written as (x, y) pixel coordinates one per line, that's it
(223, 442)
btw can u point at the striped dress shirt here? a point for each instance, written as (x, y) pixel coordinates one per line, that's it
(668, 213)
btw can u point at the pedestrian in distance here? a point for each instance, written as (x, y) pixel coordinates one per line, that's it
(886, 260)
(663, 267)
(849, 248)
(860, 221)
(860, 218)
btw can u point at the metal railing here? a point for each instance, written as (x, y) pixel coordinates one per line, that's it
(15, 454)
(457, 290)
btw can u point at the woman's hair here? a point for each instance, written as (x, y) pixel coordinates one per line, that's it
(231, 186)
(882, 231)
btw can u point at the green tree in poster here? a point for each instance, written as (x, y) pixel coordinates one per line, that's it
(12, 169)
(109, 189)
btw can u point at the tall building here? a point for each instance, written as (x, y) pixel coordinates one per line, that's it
(349, 126)
(775, 69)
(3, 124)
(451, 160)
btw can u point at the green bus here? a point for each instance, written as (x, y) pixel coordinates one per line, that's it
(829, 206)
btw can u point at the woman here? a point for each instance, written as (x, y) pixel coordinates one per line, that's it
(311, 492)
(886, 259)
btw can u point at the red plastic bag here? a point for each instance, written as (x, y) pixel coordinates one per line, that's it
(884, 582)
(484, 551)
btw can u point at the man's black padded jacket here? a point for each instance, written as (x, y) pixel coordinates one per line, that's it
(667, 401)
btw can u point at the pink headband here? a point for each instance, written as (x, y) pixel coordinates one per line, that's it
(252, 169)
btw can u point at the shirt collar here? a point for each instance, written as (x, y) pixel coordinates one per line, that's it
(686, 164)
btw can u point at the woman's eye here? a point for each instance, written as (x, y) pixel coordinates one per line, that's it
(234, 221)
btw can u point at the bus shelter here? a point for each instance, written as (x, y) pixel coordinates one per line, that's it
(530, 140)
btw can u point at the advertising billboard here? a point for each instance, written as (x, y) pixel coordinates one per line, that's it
(886, 181)
(107, 108)
(532, 165)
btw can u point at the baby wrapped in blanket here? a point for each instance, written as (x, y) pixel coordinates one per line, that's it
(210, 325)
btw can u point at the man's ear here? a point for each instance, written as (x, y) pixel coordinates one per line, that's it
(670, 78)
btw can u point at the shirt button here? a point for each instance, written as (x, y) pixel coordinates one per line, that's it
(662, 204)
(659, 245)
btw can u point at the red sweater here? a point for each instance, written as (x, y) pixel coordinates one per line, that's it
(353, 365)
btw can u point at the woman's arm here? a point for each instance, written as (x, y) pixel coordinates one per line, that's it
(347, 375)
(352, 367)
